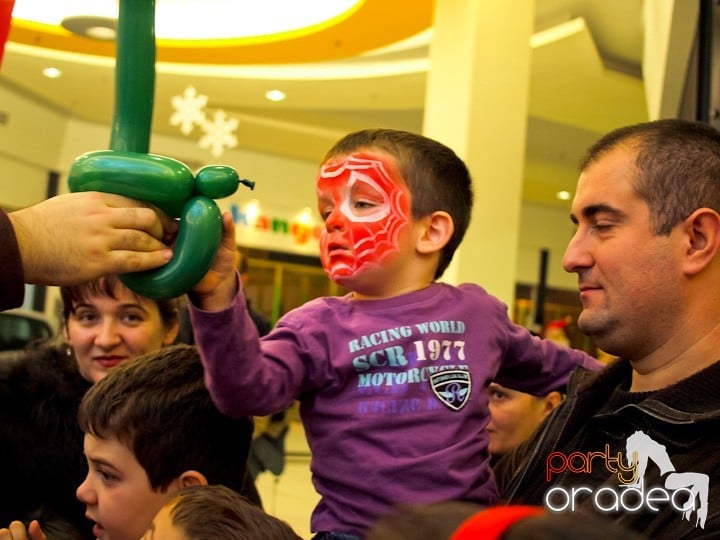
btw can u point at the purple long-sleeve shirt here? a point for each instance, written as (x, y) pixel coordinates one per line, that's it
(392, 392)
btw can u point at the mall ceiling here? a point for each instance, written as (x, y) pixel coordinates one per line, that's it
(580, 87)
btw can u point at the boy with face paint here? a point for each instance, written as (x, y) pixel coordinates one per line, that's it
(391, 378)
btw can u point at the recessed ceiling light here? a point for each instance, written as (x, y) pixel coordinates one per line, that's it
(563, 195)
(101, 32)
(91, 26)
(275, 95)
(52, 72)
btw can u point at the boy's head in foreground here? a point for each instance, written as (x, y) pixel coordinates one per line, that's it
(150, 430)
(215, 513)
(396, 206)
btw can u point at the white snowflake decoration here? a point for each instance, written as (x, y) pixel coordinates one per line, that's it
(219, 133)
(188, 110)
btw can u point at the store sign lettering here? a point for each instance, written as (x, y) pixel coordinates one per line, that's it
(302, 233)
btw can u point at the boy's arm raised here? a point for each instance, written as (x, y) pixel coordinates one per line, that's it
(219, 286)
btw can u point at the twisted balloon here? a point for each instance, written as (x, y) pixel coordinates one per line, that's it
(127, 168)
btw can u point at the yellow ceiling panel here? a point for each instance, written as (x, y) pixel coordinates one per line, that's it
(374, 24)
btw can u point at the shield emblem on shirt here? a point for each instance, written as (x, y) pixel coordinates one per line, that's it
(452, 388)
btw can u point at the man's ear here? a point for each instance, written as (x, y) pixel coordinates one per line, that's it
(193, 478)
(437, 230)
(551, 401)
(702, 233)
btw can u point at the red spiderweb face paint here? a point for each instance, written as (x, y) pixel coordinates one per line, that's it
(365, 205)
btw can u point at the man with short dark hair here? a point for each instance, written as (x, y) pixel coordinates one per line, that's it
(638, 441)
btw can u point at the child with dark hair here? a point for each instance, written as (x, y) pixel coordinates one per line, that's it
(150, 430)
(391, 378)
(215, 512)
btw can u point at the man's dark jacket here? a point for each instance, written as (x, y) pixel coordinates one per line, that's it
(684, 418)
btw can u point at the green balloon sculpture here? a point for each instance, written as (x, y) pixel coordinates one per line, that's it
(127, 168)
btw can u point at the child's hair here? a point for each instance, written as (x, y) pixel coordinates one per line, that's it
(436, 177)
(158, 407)
(218, 513)
(105, 286)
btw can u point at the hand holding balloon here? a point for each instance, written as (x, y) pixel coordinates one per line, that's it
(169, 185)
(127, 169)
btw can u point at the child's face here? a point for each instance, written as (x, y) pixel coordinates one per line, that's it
(163, 528)
(365, 204)
(117, 491)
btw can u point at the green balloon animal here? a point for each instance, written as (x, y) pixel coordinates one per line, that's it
(127, 168)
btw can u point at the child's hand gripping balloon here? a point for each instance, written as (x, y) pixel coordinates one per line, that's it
(127, 169)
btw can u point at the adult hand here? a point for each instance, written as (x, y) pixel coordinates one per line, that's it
(17, 531)
(77, 237)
